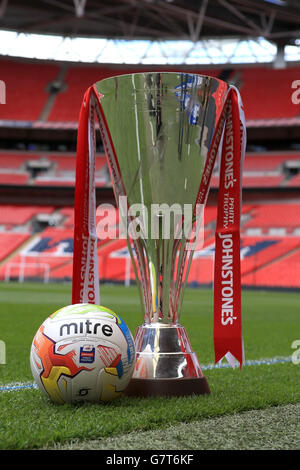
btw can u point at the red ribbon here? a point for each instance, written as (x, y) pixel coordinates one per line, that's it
(85, 286)
(227, 277)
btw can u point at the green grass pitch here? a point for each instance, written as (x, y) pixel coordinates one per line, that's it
(270, 326)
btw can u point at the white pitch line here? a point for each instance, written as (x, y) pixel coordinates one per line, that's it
(12, 387)
(16, 386)
(253, 362)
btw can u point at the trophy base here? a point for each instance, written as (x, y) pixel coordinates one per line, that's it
(167, 387)
(165, 363)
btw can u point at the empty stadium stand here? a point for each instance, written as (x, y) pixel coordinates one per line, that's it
(274, 216)
(284, 272)
(26, 88)
(294, 181)
(263, 101)
(78, 79)
(12, 216)
(58, 169)
(48, 253)
(36, 240)
(28, 102)
(269, 161)
(10, 242)
(19, 178)
(45, 168)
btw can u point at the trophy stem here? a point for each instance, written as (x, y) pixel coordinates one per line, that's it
(165, 363)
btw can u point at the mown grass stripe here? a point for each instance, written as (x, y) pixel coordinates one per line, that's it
(273, 428)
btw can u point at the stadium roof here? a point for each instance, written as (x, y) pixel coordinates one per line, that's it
(275, 20)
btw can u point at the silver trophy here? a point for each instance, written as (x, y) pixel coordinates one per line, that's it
(157, 129)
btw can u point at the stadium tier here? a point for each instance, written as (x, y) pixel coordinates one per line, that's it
(274, 216)
(263, 100)
(60, 162)
(294, 181)
(10, 242)
(45, 168)
(269, 161)
(256, 181)
(78, 79)
(258, 252)
(282, 273)
(54, 93)
(261, 170)
(51, 96)
(15, 160)
(12, 216)
(48, 253)
(26, 88)
(19, 178)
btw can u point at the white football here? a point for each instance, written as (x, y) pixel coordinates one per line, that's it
(82, 352)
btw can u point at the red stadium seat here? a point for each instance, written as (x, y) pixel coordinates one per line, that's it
(14, 178)
(274, 216)
(25, 88)
(11, 241)
(262, 101)
(27, 102)
(283, 272)
(257, 181)
(270, 161)
(259, 251)
(20, 215)
(294, 181)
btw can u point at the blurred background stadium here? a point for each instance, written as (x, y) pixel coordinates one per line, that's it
(51, 51)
